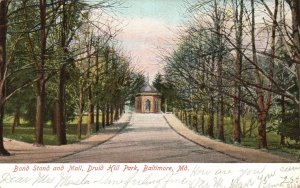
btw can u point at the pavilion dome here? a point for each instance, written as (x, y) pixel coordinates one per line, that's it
(147, 88)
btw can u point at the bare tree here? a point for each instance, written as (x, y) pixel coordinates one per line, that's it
(40, 85)
(295, 8)
(239, 14)
(3, 68)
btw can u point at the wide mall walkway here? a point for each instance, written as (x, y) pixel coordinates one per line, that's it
(148, 138)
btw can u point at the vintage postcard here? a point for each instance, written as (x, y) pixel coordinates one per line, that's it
(149, 93)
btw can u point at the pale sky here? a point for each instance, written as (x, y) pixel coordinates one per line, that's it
(150, 25)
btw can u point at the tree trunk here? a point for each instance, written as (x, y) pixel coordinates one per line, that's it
(190, 122)
(16, 120)
(39, 114)
(282, 101)
(97, 117)
(238, 69)
(220, 98)
(202, 121)
(80, 111)
(107, 115)
(236, 120)
(111, 114)
(3, 68)
(3, 151)
(263, 102)
(40, 89)
(210, 126)
(185, 117)
(166, 106)
(283, 119)
(103, 117)
(122, 109)
(181, 115)
(97, 83)
(57, 118)
(220, 105)
(282, 140)
(244, 126)
(295, 8)
(90, 112)
(54, 118)
(220, 120)
(117, 112)
(262, 135)
(195, 121)
(61, 126)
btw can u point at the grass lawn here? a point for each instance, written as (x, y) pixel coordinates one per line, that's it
(291, 151)
(25, 132)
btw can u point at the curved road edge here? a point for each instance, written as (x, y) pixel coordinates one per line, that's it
(242, 153)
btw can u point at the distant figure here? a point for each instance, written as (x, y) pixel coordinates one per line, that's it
(147, 105)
